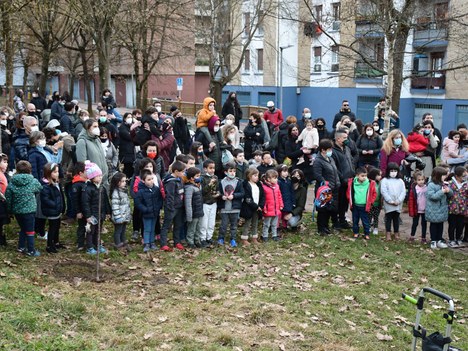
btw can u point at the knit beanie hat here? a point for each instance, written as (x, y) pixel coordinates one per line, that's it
(175, 113)
(92, 170)
(169, 117)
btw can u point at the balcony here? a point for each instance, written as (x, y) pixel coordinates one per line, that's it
(365, 73)
(431, 82)
(430, 35)
(368, 29)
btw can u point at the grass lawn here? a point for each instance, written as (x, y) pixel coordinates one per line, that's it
(303, 293)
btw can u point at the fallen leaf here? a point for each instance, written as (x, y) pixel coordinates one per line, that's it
(162, 319)
(148, 335)
(383, 337)
(132, 268)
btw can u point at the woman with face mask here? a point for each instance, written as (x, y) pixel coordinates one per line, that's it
(395, 149)
(213, 149)
(89, 147)
(233, 136)
(294, 151)
(232, 107)
(368, 146)
(126, 147)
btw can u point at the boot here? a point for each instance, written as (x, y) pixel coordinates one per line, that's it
(397, 236)
(255, 241)
(388, 236)
(245, 242)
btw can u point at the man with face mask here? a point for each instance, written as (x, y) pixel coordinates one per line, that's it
(273, 115)
(344, 159)
(306, 115)
(57, 109)
(345, 110)
(38, 101)
(31, 109)
(21, 142)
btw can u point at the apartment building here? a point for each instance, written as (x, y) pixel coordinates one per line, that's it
(300, 59)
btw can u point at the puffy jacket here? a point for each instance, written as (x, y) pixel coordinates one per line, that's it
(37, 160)
(210, 191)
(120, 204)
(373, 143)
(174, 190)
(273, 200)
(78, 185)
(275, 117)
(371, 194)
(344, 159)
(205, 114)
(52, 201)
(90, 201)
(417, 142)
(325, 170)
(436, 203)
(149, 201)
(193, 202)
(287, 193)
(249, 206)
(300, 198)
(449, 150)
(458, 203)
(126, 147)
(21, 145)
(236, 202)
(21, 194)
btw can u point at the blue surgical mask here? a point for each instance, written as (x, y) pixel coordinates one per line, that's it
(230, 176)
(197, 180)
(427, 132)
(102, 119)
(329, 153)
(397, 141)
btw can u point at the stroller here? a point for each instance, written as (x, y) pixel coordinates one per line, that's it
(435, 341)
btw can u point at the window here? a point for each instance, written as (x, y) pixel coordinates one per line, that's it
(437, 63)
(247, 60)
(434, 110)
(260, 19)
(336, 8)
(260, 60)
(318, 13)
(317, 54)
(335, 67)
(247, 23)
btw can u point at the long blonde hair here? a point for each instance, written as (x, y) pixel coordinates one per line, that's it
(388, 143)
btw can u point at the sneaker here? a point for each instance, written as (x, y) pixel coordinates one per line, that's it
(375, 231)
(135, 235)
(221, 242)
(233, 243)
(22, 250)
(453, 243)
(146, 247)
(191, 246)
(459, 243)
(367, 237)
(51, 249)
(33, 253)
(433, 245)
(80, 248)
(59, 246)
(204, 243)
(441, 245)
(198, 245)
(103, 250)
(153, 246)
(265, 239)
(166, 248)
(179, 246)
(43, 237)
(355, 236)
(209, 242)
(276, 238)
(91, 251)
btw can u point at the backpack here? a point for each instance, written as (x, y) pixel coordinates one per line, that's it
(323, 195)
(274, 141)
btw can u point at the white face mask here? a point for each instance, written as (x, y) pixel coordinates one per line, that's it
(85, 118)
(96, 131)
(158, 108)
(41, 143)
(393, 174)
(228, 122)
(3, 122)
(232, 137)
(129, 120)
(369, 132)
(216, 129)
(307, 115)
(376, 128)
(34, 129)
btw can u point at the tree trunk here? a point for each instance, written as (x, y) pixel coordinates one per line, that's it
(398, 59)
(44, 70)
(25, 76)
(84, 62)
(9, 52)
(216, 92)
(104, 65)
(72, 85)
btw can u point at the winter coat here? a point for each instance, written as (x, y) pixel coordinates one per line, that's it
(174, 190)
(149, 201)
(66, 123)
(78, 185)
(436, 203)
(56, 111)
(373, 143)
(37, 160)
(371, 194)
(417, 142)
(396, 155)
(287, 193)
(458, 203)
(263, 168)
(112, 157)
(160, 169)
(293, 151)
(112, 132)
(392, 190)
(204, 115)
(241, 168)
(193, 202)
(6, 141)
(449, 149)
(120, 204)
(21, 194)
(230, 108)
(90, 201)
(52, 200)
(210, 191)
(275, 117)
(215, 153)
(412, 200)
(273, 200)
(182, 134)
(21, 145)
(249, 206)
(39, 102)
(280, 151)
(165, 149)
(236, 202)
(325, 170)
(340, 115)
(88, 147)
(353, 133)
(344, 159)
(126, 147)
(252, 141)
(300, 198)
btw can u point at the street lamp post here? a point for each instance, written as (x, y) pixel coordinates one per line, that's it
(281, 74)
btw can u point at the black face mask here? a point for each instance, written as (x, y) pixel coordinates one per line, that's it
(295, 180)
(320, 126)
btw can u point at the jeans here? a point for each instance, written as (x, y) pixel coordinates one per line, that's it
(294, 221)
(231, 219)
(81, 232)
(392, 217)
(148, 231)
(119, 233)
(193, 231)
(436, 230)
(54, 229)
(270, 222)
(456, 224)
(250, 225)
(175, 216)
(208, 221)
(26, 235)
(359, 213)
(423, 225)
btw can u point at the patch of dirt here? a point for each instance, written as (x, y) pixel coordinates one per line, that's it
(73, 270)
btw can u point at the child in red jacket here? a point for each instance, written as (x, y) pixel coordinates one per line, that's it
(417, 205)
(361, 195)
(273, 205)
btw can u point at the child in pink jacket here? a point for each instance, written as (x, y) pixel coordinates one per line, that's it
(273, 205)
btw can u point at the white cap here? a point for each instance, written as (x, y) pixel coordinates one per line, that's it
(270, 104)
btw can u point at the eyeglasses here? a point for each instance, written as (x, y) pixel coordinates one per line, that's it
(345, 105)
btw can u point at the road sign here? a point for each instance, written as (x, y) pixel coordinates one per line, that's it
(180, 83)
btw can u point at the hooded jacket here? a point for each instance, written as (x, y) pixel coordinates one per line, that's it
(193, 201)
(371, 193)
(449, 149)
(149, 201)
(273, 200)
(174, 190)
(205, 114)
(89, 148)
(21, 194)
(417, 142)
(52, 201)
(249, 207)
(90, 201)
